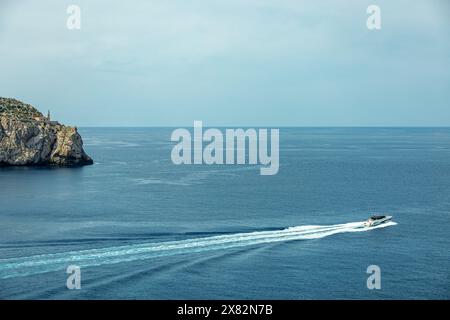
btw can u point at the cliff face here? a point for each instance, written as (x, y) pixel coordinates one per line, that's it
(27, 138)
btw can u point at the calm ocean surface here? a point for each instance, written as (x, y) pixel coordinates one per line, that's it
(141, 227)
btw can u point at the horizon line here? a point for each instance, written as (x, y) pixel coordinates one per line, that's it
(272, 126)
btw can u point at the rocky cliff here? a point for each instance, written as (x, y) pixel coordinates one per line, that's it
(28, 138)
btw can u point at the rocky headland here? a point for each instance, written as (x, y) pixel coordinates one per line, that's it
(28, 138)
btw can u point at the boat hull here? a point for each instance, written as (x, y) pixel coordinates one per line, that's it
(372, 223)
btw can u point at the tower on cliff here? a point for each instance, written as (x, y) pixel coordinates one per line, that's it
(48, 115)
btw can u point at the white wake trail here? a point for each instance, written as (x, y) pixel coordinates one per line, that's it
(25, 266)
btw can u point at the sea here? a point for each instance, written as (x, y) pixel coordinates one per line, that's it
(136, 226)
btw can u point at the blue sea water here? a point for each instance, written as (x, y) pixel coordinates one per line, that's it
(142, 228)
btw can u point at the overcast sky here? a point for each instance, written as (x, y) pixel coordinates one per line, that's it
(229, 62)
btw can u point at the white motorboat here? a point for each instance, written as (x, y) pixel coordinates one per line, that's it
(376, 220)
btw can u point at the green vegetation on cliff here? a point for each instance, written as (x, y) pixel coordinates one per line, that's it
(18, 110)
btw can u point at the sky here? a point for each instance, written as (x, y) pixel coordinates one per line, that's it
(229, 62)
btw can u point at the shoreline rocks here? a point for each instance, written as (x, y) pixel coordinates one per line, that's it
(27, 138)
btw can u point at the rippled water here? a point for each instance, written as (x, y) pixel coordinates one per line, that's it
(141, 227)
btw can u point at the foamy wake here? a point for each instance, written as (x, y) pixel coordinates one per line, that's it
(25, 266)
